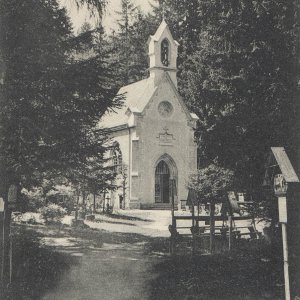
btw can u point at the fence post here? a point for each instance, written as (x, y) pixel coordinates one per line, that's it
(212, 227)
(172, 230)
(230, 233)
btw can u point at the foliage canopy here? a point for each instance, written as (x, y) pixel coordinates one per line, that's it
(53, 93)
(211, 184)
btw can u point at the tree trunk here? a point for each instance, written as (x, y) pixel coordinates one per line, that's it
(77, 203)
(94, 204)
(5, 247)
(193, 215)
(104, 194)
(212, 227)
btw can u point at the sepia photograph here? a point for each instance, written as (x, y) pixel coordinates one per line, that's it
(149, 150)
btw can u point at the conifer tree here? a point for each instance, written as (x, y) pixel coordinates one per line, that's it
(52, 96)
(129, 43)
(241, 81)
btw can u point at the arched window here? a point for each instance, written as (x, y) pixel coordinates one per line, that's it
(165, 52)
(116, 156)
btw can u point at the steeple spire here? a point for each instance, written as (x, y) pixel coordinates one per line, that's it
(162, 53)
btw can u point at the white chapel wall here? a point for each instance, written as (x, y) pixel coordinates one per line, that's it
(182, 150)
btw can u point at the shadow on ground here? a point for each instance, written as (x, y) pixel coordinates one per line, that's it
(246, 273)
(129, 218)
(35, 268)
(112, 222)
(39, 267)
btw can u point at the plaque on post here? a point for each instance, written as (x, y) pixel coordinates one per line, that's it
(1, 205)
(283, 178)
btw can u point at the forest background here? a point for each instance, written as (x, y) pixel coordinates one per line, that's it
(238, 70)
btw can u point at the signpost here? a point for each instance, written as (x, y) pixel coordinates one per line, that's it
(12, 196)
(280, 189)
(285, 177)
(1, 205)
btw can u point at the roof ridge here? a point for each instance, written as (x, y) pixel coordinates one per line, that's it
(133, 83)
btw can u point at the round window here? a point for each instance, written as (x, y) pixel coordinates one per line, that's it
(165, 108)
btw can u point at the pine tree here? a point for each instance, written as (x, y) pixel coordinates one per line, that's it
(241, 81)
(52, 97)
(129, 43)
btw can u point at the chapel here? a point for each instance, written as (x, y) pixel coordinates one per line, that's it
(153, 133)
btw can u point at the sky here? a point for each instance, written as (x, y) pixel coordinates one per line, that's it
(78, 17)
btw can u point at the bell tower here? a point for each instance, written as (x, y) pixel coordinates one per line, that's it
(162, 54)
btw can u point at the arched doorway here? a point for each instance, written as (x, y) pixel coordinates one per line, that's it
(166, 178)
(162, 183)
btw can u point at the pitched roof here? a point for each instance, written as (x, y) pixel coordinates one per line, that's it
(284, 164)
(137, 95)
(162, 27)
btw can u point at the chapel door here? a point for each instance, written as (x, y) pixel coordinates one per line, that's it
(162, 183)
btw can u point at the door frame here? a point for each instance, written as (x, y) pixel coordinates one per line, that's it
(173, 174)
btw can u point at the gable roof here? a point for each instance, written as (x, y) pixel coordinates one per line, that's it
(284, 164)
(162, 27)
(137, 98)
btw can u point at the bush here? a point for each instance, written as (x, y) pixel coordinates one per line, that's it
(27, 218)
(33, 199)
(53, 213)
(64, 200)
(211, 184)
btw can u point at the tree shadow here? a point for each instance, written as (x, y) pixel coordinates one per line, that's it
(36, 268)
(39, 268)
(246, 274)
(129, 218)
(112, 222)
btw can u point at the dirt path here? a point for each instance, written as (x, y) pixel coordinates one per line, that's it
(126, 257)
(113, 272)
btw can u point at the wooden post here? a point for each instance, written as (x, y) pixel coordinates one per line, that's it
(212, 227)
(10, 255)
(172, 197)
(230, 233)
(282, 209)
(194, 243)
(2, 248)
(285, 262)
(6, 243)
(173, 236)
(193, 215)
(198, 214)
